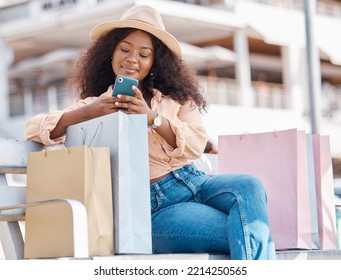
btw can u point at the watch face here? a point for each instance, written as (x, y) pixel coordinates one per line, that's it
(158, 120)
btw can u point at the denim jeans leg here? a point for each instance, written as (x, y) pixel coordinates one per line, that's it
(189, 227)
(182, 225)
(243, 199)
(192, 212)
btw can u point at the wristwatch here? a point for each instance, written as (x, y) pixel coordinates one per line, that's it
(157, 121)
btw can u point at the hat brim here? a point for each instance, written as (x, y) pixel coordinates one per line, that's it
(168, 39)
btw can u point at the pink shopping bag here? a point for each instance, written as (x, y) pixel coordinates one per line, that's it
(324, 192)
(279, 160)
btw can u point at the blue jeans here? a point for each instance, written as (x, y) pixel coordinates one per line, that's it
(226, 214)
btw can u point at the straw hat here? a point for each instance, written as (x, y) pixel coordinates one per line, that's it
(140, 17)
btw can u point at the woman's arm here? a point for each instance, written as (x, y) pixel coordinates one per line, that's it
(102, 105)
(186, 127)
(164, 130)
(50, 128)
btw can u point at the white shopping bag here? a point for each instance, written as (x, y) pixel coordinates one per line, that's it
(207, 163)
(127, 137)
(312, 193)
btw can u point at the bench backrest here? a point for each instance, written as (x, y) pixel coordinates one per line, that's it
(13, 155)
(13, 160)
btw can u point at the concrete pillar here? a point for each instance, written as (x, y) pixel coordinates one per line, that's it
(294, 78)
(313, 67)
(52, 98)
(6, 58)
(243, 68)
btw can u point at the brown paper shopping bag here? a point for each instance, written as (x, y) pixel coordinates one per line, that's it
(79, 173)
(279, 160)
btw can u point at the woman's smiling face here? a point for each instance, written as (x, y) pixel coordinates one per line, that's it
(134, 56)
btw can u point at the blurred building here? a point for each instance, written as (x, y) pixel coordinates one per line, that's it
(250, 56)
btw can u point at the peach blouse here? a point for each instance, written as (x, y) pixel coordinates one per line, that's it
(185, 121)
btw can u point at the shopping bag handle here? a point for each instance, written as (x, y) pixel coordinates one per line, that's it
(100, 124)
(44, 151)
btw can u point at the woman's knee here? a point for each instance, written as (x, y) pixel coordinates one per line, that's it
(253, 185)
(235, 186)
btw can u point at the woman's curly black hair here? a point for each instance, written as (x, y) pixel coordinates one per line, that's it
(93, 73)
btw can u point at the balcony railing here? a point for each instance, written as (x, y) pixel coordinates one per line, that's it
(322, 7)
(269, 95)
(220, 90)
(226, 92)
(41, 8)
(34, 102)
(217, 90)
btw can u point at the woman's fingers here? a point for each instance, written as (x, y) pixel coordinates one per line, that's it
(138, 93)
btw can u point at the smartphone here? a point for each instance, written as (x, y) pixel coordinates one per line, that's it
(123, 86)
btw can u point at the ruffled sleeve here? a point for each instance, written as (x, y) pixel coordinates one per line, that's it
(39, 127)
